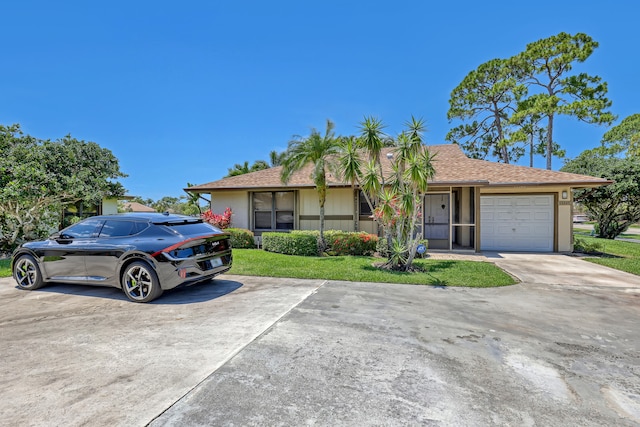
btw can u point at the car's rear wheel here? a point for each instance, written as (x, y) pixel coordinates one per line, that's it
(27, 273)
(140, 282)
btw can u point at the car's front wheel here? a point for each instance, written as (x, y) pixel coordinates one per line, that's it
(27, 273)
(140, 282)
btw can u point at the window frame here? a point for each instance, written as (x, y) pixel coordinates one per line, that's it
(274, 211)
(362, 201)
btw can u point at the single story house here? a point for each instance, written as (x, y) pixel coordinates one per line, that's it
(136, 207)
(470, 205)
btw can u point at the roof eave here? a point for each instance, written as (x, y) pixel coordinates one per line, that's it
(572, 184)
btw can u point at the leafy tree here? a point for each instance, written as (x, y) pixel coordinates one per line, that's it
(193, 201)
(488, 96)
(316, 149)
(546, 65)
(624, 138)
(614, 207)
(184, 205)
(38, 177)
(167, 204)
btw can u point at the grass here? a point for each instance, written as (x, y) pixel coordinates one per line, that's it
(624, 256)
(253, 262)
(5, 268)
(583, 232)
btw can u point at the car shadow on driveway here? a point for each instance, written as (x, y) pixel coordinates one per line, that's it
(199, 292)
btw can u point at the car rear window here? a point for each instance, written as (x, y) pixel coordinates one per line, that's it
(192, 228)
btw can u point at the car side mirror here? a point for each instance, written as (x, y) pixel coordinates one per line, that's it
(61, 238)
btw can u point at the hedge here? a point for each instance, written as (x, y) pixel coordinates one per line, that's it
(294, 243)
(350, 243)
(241, 238)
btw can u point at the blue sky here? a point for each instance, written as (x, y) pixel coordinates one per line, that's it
(181, 91)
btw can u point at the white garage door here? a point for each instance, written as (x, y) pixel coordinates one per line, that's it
(516, 223)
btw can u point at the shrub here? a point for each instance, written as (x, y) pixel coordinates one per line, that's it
(581, 245)
(221, 221)
(354, 243)
(382, 248)
(241, 238)
(315, 234)
(295, 243)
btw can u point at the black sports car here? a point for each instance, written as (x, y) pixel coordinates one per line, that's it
(142, 253)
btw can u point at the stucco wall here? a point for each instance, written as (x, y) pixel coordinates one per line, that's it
(238, 201)
(109, 206)
(340, 204)
(338, 209)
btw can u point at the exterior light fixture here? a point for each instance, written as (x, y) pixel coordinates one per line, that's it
(565, 194)
(389, 156)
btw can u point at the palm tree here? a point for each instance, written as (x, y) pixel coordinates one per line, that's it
(372, 139)
(239, 169)
(275, 158)
(318, 150)
(193, 199)
(259, 165)
(397, 198)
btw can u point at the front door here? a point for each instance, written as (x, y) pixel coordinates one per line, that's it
(436, 220)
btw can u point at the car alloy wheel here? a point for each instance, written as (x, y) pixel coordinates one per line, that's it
(140, 282)
(27, 273)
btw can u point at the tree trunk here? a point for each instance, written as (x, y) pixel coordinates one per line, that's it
(322, 197)
(323, 244)
(549, 141)
(531, 151)
(503, 150)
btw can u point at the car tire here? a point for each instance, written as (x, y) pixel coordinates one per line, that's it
(140, 282)
(27, 273)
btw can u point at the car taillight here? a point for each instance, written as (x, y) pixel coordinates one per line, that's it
(194, 247)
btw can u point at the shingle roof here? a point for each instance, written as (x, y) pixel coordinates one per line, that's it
(137, 207)
(452, 167)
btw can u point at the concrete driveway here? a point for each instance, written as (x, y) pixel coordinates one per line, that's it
(77, 355)
(263, 351)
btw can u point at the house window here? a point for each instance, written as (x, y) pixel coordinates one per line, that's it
(273, 210)
(365, 209)
(78, 211)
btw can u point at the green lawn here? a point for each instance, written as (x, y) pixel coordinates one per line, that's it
(254, 262)
(5, 270)
(620, 255)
